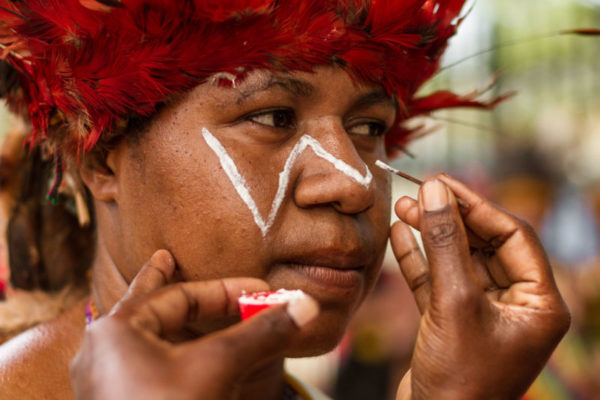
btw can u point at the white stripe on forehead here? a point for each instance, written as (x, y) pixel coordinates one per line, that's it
(239, 183)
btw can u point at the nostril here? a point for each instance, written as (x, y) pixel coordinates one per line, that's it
(336, 190)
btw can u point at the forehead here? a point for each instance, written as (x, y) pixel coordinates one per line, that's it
(321, 81)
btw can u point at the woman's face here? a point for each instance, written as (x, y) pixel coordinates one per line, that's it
(274, 178)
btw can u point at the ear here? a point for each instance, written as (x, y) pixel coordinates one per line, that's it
(99, 172)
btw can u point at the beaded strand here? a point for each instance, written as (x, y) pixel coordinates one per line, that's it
(91, 311)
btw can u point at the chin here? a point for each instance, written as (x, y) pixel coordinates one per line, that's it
(319, 337)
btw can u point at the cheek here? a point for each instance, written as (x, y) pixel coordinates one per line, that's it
(186, 204)
(380, 216)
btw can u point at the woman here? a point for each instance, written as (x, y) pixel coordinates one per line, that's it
(228, 139)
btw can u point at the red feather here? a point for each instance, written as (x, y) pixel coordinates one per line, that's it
(446, 99)
(87, 64)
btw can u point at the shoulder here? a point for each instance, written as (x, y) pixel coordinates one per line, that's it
(35, 364)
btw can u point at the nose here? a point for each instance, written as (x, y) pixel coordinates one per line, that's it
(333, 173)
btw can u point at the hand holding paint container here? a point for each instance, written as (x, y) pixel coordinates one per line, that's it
(253, 303)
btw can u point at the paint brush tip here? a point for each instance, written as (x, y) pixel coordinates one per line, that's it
(384, 166)
(394, 171)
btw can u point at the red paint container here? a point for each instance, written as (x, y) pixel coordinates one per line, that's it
(253, 303)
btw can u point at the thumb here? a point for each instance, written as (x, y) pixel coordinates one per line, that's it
(264, 336)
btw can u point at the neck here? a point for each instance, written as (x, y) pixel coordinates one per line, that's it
(108, 284)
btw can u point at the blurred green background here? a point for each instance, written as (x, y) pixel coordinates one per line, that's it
(557, 106)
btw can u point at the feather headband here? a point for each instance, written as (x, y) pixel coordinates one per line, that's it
(79, 68)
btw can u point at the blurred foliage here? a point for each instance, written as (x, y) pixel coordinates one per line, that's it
(557, 106)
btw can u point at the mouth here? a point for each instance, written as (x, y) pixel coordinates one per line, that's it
(328, 272)
(328, 276)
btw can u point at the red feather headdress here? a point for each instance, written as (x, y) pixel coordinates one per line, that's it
(84, 66)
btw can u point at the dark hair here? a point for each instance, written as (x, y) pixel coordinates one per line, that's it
(48, 249)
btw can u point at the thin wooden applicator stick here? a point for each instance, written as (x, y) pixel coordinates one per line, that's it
(395, 171)
(411, 178)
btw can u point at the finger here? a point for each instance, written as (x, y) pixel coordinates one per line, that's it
(156, 273)
(169, 309)
(496, 270)
(446, 246)
(479, 210)
(265, 335)
(515, 243)
(412, 263)
(490, 276)
(407, 209)
(484, 277)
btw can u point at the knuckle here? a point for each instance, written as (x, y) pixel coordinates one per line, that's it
(563, 320)
(529, 232)
(463, 296)
(554, 325)
(460, 302)
(526, 232)
(467, 297)
(418, 281)
(408, 254)
(525, 227)
(441, 235)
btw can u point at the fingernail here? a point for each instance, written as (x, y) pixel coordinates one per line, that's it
(303, 310)
(435, 195)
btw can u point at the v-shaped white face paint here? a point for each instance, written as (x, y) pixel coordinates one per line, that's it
(239, 183)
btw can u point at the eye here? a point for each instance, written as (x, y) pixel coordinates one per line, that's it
(368, 129)
(278, 118)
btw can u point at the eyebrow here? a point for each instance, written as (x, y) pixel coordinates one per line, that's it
(375, 97)
(302, 88)
(294, 86)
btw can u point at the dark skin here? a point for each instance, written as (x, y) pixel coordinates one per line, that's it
(486, 288)
(330, 232)
(168, 191)
(150, 311)
(474, 301)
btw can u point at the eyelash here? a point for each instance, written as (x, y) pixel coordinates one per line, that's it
(284, 118)
(288, 121)
(379, 127)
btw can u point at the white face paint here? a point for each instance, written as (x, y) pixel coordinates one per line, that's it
(239, 183)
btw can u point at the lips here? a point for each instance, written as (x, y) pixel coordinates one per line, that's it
(329, 257)
(345, 278)
(328, 268)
